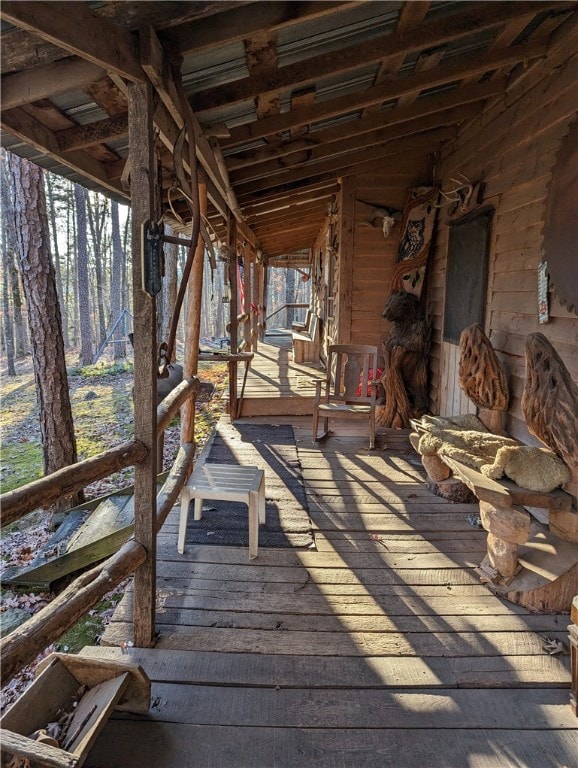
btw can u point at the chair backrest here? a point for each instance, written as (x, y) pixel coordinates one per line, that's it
(313, 325)
(350, 368)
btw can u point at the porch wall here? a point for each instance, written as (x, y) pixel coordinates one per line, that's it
(513, 147)
(373, 255)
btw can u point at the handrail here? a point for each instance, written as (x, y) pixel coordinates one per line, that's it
(22, 645)
(287, 306)
(46, 490)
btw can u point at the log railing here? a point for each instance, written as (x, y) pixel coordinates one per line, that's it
(22, 645)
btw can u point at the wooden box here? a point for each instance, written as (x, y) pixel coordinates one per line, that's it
(110, 685)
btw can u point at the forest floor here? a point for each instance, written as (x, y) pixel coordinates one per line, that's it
(101, 399)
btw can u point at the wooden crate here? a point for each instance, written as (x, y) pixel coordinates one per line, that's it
(111, 685)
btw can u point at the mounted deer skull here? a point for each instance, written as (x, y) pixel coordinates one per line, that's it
(387, 216)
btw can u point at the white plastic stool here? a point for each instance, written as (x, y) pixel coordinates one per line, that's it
(225, 482)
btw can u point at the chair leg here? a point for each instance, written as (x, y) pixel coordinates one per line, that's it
(198, 509)
(315, 423)
(262, 502)
(372, 431)
(185, 501)
(253, 524)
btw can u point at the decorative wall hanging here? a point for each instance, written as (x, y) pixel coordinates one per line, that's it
(561, 228)
(416, 234)
(543, 309)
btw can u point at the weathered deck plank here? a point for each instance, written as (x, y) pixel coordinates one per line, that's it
(378, 647)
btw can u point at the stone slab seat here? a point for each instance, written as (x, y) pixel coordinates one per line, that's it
(225, 482)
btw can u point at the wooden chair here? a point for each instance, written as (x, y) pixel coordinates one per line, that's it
(346, 388)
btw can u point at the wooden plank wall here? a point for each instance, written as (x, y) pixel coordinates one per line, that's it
(513, 147)
(374, 255)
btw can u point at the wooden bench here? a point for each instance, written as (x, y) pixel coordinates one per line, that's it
(225, 482)
(532, 557)
(306, 342)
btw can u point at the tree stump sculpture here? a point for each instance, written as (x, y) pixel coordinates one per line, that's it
(550, 407)
(405, 357)
(482, 377)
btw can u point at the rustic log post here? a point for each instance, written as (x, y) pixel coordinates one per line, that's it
(263, 300)
(174, 483)
(169, 407)
(193, 326)
(509, 523)
(255, 296)
(22, 645)
(247, 299)
(436, 469)
(142, 176)
(346, 253)
(233, 307)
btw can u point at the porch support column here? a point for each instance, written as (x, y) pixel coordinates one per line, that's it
(233, 307)
(193, 326)
(263, 299)
(247, 300)
(346, 249)
(255, 270)
(142, 165)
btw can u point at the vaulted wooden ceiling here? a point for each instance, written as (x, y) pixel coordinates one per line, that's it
(288, 97)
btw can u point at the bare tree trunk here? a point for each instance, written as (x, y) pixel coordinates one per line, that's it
(118, 259)
(33, 238)
(56, 252)
(20, 335)
(86, 346)
(8, 327)
(96, 218)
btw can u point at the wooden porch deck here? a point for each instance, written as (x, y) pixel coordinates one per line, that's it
(276, 385)
(377, 648)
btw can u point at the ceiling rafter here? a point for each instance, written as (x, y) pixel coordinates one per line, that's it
(427, 35)
(98, 132)
(371, 139)
(449, 72)
(344, 165)
(91, 37)
(20, 124)
(426, 106)
(240, 23)
(41, 82)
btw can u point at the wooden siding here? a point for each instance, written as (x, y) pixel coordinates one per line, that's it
(375, 255)
(513, 147)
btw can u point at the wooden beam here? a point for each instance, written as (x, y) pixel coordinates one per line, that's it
(193, 325)
(233, 310)
(276, 201)
(370, 139)
(240, 23)
(411, 14)
(428, 105)
(19, 123)
(75, 28)
(437, 32)
(342, 164)
(51, 80)
(452, 71)
(254, 214)
(98, 132)
(142, 179)
(107, 96)
(155, 65)
(303, 209)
